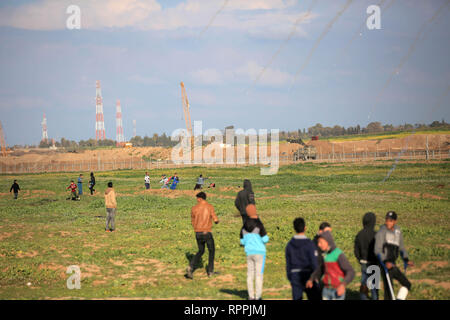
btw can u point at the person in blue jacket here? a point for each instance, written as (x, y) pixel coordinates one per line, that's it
(80, 185)
(254, 238)
(175, 181)
(301, 261)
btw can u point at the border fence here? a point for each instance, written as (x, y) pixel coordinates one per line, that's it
(137, 163)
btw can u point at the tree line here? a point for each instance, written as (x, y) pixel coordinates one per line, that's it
(319, 130)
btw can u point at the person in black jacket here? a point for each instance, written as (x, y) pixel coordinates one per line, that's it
(301, 261)
(244, 198)
(364, 253)
(16, 189)
(92, 183)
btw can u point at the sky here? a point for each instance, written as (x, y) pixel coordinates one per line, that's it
(141, 51)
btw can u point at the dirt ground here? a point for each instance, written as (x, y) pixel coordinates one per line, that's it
(416, 142)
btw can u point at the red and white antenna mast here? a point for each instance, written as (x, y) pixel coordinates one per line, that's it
(119, 125)
(44, 129)
(99, 119)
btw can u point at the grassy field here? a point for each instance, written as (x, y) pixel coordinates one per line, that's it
(42, 233)
(380, 136)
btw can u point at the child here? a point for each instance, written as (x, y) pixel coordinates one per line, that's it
(111, 205)
(147, 181)
(388, 246)
(73, 189)
(253, 238)
(200, 182)
(324, 226)
(16, 188)
(334, 269)
(364, 252)
(301, 261)
(165, 182)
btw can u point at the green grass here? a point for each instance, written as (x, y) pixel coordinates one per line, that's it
(383, 135)
(42, 233)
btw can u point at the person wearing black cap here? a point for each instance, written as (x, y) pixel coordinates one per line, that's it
(364, 253)
(388, 246)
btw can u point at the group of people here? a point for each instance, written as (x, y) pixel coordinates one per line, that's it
(315, 267)
(74, 195)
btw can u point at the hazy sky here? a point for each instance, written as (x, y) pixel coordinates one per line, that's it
(141, 50)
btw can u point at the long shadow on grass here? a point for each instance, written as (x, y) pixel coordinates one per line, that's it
(240, 293)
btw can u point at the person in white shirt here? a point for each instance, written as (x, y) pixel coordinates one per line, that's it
(147, 181)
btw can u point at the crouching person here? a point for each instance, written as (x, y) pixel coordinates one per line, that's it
(254, 238)
(334, 269)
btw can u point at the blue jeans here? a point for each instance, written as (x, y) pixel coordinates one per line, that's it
(330, 294)
(364, 277)
(147, 186)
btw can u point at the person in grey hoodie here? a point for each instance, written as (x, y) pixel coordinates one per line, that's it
(388, 246)
(364, 253)
(244, 198)
(334, 270)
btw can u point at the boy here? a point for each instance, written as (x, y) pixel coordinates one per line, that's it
(334, 269)
(202, 215)
(388, 246)
(16, 188)
(254, 238)
(111, 206)
(364, 253)
(147, 181)
(324, 226)
(301, 261)
(73, 189)
(165, 182)
(200, 182)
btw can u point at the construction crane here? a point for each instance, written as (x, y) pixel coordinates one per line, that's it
(2, 141)
(187, 114)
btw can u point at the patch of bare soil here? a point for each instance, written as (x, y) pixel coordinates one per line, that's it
(29, 254)
(445, 284)
(427, 265)
(6, 235)
(89, 270)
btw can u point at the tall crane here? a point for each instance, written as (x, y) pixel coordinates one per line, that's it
(2, 141)
(187, 114)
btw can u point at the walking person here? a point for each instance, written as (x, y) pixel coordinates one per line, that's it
(174, 180)
(111, 207)
(165, 182)
(200, 182)
(73, 190)
(147, 181)
(334, 270)
(202, 215)
(92, 183)
(301, 261)
(16, 188)
(254, 238)
(364, 253)
(80, 184)
(244, 198)
(388, 246)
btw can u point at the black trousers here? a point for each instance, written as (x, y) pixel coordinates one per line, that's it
(202, 239)
(197, 186)
(298, 283)
(394, 273)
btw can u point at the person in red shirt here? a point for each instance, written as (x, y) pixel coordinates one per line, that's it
(73, 189)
